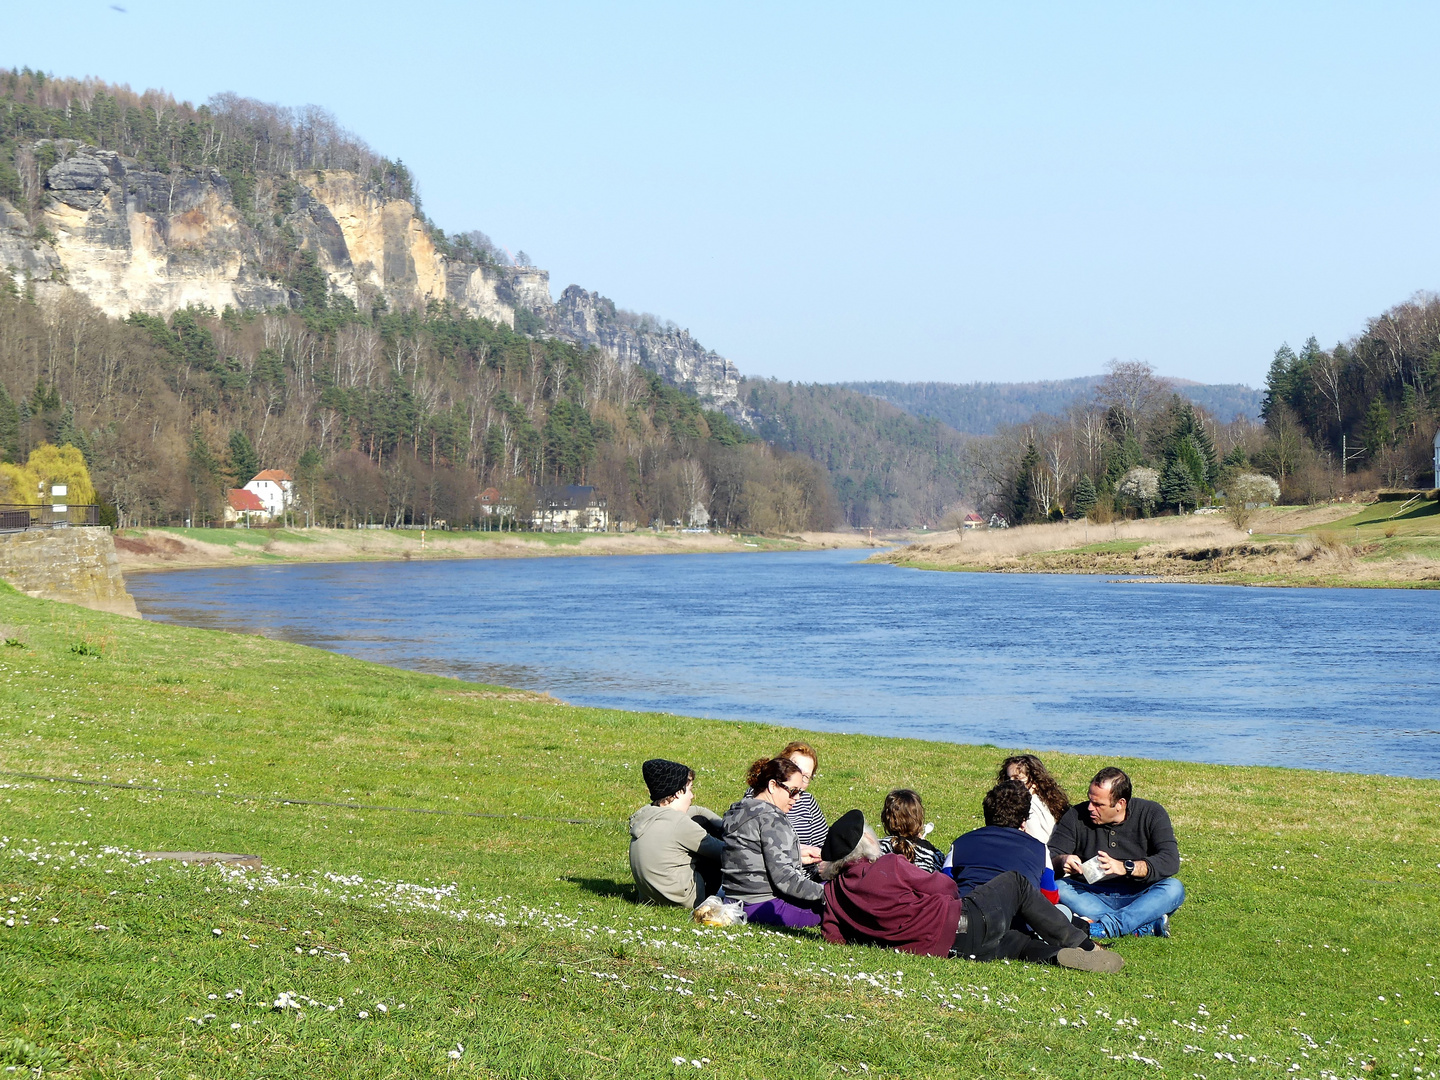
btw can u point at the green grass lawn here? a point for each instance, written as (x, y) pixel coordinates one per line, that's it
(395, 922)
(1419, 518)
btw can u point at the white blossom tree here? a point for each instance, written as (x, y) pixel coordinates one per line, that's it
(1140, 487)
(1245, 493)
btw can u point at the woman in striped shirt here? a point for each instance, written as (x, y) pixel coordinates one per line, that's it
(805, 814)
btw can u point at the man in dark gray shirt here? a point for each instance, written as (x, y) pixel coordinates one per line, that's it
(1130, 846)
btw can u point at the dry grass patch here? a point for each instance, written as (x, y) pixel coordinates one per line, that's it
(989, 547)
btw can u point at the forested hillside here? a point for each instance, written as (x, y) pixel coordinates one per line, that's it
(1377, 395)
(984, 408)
(888, 468)
(399, 417)
(1352, 418)
(1134, 445)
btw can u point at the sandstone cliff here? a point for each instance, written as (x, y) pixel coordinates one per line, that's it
(590, 319)
(131, 238)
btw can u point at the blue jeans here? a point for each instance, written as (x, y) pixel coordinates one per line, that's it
(1119, 910)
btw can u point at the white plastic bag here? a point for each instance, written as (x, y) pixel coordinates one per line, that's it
(716, 911)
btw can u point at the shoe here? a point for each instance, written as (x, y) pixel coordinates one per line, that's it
(1162, 926)
(1092, 959)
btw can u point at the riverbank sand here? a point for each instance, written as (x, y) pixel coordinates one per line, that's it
(176, 549)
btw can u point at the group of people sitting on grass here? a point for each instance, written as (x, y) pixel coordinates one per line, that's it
(1041, 881)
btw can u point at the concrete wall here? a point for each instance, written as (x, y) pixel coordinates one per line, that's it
(76, 565)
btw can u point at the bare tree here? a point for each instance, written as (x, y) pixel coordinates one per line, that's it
(1131, 392)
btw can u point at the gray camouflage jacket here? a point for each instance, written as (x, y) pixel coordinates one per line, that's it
(762, 856)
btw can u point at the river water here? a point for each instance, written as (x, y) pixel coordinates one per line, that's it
(1345, 679)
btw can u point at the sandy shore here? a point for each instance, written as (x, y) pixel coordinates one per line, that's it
(1306, 546)
(177, 549)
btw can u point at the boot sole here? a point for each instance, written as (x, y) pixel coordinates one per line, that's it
(1090, 959)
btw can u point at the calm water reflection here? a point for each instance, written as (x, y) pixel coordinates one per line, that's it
(1336, 679)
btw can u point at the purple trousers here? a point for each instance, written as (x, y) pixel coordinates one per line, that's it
(777, 912)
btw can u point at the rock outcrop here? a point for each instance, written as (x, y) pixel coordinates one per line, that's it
(135, 239)
(76, 565)
(590, 319)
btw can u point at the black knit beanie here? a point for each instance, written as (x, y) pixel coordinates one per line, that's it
(664, 778)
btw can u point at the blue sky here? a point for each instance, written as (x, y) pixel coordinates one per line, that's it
(908, 191)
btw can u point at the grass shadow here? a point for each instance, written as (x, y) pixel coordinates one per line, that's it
(606, 887)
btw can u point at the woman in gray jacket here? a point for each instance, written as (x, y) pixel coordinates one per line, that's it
(762, 866)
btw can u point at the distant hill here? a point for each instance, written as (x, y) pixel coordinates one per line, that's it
(888, 467)
(981, 408)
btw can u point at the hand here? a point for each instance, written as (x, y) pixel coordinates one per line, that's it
(1072, 865)
(809, 854)
(1112, 867)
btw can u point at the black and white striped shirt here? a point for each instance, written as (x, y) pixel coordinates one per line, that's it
(927, 856)
(810, 824)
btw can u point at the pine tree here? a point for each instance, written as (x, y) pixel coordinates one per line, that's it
(244, 461)
(66, 433)
(1175, 485)
(1022, 501)
(1127, 455)
(1280, 382)
(204, 475)
(1378, 431)
(9, 426)
(307, 474)
(1085, 498)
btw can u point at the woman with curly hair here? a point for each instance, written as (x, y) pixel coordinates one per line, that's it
(1047, 798)
(763, 866)
(809, 820)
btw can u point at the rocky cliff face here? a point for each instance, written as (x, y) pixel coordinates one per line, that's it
(134, 239)
(590, 319)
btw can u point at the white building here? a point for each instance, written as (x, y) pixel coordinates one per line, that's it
(273, 487)
(572, 508)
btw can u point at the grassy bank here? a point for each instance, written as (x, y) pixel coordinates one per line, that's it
(175, 548)
(1304, 949)
(1375, 545)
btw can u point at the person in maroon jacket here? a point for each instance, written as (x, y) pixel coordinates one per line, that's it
(877, 899)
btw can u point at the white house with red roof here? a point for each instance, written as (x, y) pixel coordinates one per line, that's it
(243, 507)
(273, 488)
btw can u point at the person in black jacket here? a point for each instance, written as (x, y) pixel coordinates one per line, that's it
(1132, 888)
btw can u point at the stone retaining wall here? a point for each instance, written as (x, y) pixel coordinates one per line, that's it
(76, 565)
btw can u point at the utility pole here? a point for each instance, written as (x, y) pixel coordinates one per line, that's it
(1347, 455)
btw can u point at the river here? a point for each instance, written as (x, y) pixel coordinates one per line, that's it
(1345, 679)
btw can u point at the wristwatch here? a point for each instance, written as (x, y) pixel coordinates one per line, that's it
(1129, 868)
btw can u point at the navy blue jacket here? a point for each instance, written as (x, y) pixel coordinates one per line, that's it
(982, 854)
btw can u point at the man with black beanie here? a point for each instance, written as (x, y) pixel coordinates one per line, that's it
(675, 846)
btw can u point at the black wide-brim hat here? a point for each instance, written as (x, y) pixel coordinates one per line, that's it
(843, 836)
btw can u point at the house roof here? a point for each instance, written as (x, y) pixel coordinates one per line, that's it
(973, 517)
(242, 500)
(276, 475)
(490, 495)
(568, 497)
